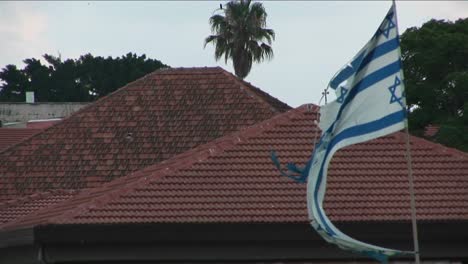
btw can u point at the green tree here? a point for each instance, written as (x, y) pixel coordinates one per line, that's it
(73, 80)
(39, 79)
(239, 35)
(13, 84)
(435, 60)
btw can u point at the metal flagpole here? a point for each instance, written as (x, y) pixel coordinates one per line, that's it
(413, 200)
(410, 171)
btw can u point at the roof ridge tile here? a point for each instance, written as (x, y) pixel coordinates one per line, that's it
(262, 96)
(417, 141)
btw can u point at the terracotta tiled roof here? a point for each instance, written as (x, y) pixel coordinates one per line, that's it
(232, 179)
(12, 136)
(14, 209)
(152, 119)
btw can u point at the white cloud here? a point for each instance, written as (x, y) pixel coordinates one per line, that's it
(23, 32)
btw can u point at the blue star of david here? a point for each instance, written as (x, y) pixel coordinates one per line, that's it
(389, 25)
(393, 89)
(343, 92)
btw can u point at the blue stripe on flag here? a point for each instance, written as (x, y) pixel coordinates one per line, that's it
(347, 72)
(379, 51)
(370, 80)
(362, 61)
(358, 130)
(370, 127)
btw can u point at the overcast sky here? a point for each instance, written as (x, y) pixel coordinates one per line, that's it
(313, 38)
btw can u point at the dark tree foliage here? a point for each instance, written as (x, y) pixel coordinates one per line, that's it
(435, 60)
(240, 35)
(73, 80)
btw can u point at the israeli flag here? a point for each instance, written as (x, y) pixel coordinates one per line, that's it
(370, 103)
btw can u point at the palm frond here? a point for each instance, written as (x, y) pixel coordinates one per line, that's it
(257, 15)
(269, 34)
(217, 22)
(211, 38)
(220, 47)
(228, 54)
(219, 51)
(240, 35)
(255, 49)
(267, 51)
(262, 34)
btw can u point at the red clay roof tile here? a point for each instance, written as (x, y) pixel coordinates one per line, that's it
(14, 209)
(12, 136)
(152, 119)
(232, 179)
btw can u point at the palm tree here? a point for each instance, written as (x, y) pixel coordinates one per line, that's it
(239, 35)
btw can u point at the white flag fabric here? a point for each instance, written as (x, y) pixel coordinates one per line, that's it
(370, 103)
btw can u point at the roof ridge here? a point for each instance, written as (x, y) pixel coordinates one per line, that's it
(436, 146)
(256, 91)
(99, 196)
(263, 93)
(185, 70)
